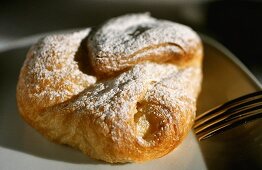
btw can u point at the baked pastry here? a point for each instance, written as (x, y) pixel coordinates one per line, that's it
(123, 92)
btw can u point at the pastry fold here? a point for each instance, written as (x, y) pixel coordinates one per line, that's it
(123, 92)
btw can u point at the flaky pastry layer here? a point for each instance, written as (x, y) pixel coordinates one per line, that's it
(126, 92)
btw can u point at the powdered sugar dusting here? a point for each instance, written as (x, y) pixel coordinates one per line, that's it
(117, 99)
(51, 65)
(120, 38)
(150, 102)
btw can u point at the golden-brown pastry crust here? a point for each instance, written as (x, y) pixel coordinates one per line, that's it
(125, 41)
(138, 103)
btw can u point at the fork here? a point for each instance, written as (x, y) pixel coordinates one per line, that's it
(229, 115)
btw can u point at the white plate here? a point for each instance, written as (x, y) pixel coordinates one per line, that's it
(21, 147)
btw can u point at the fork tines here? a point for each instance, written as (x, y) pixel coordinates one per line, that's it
(228, 115)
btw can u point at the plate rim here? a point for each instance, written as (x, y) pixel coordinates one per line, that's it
(227, 53)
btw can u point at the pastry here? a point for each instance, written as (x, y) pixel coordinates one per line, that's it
(123, 92)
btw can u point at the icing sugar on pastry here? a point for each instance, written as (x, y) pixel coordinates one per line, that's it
(121, 41)
(124, 92)
(51, 64)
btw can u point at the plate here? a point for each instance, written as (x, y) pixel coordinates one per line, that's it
(224, 78)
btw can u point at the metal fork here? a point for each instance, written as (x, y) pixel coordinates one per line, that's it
(228, 115)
